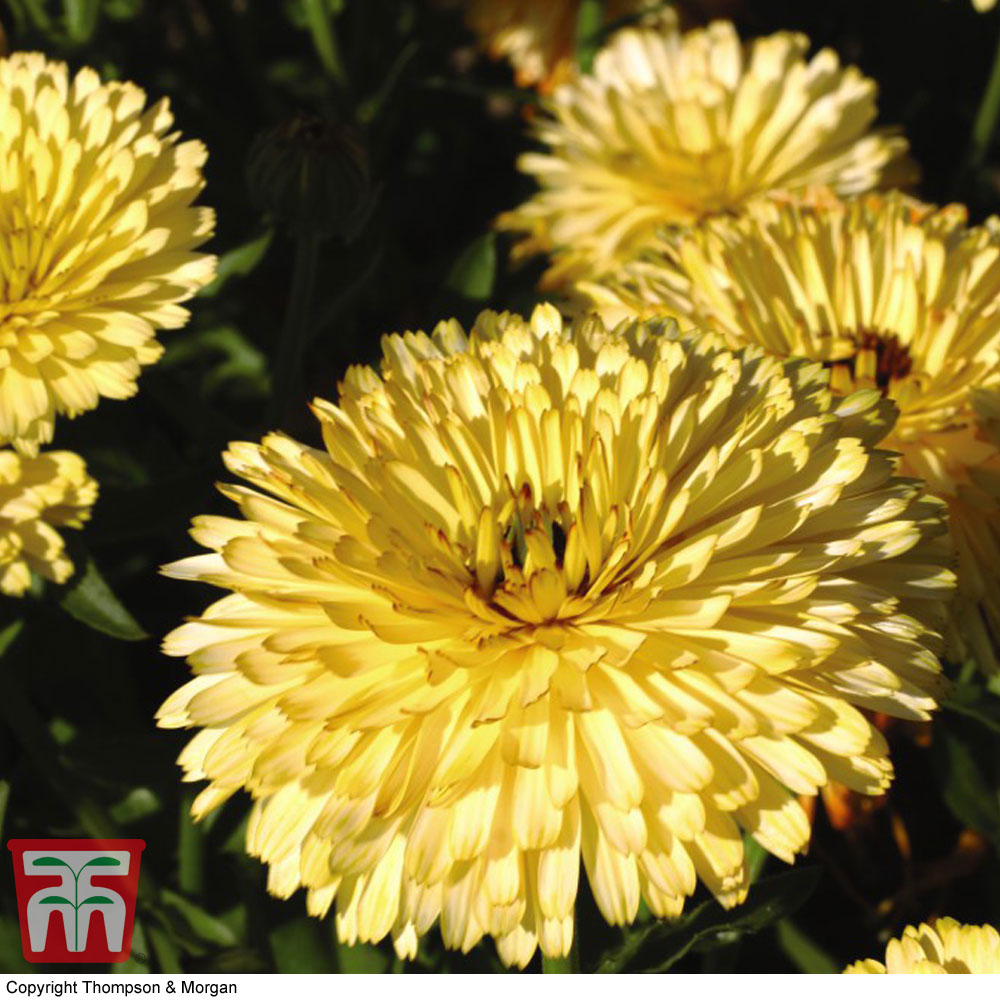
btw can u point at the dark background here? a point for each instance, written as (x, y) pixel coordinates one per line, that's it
(79, 754)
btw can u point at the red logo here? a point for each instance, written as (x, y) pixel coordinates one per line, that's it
(76, 898)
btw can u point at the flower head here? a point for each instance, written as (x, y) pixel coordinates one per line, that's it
(538, 39)
(944, 947)
(552, 593)
(97, 240)
(888, 294)
(671, 128)
(37, 496)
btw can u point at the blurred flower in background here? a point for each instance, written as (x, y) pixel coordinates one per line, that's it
(889, 295)
(538, 39)
(37, 496)
(553, 593)
(97, 241)
(945, 946)
(672, 128)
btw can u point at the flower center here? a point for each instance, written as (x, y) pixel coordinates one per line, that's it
(537, 563)
(880, 361)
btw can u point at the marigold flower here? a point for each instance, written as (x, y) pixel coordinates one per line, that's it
(37, 496)
(97, 238)
(888, 294)
(671, 128)
(944, 947)
(547, 593)
(538, 39)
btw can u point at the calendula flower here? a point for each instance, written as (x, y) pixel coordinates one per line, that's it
(97, 240)
(538, 39)
(887, 293)
(944, 947)
(671, 128)
(38, 496)
(552, 593)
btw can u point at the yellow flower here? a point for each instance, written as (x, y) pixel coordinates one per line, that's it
(552, 593)
(946, 947)
(671, 128)
(538, 39)
(887, 293)
(37, 496)
(97, 238)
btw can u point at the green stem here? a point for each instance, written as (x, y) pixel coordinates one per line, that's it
(190, 850)
(986, 117)
(568, 963)
(295, 332)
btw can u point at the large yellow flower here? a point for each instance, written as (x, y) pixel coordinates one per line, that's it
(538, 39)
(551, 593)
(888, 294)
(97, 238)
(671, 128)
(37, 496)
(944, 947)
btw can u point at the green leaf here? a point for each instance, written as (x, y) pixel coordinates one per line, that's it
(473, 273)
(238, 262)
(9, 634)
(589, 22)
(223, 353)
(202, 924)
(168, 958)
(361, 959)
(56, 899)
(89, 599)
(318, 17)
(96, 900)
(138, 804)
(103, 863)
(138, 960)
(81, 18)
(803, 952)
(968, 793)
(49, 863)
(976, 703)
(300, 946)
(660, 945)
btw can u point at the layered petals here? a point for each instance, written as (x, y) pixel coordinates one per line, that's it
(670, 128)
(98, 239)
(39, 496)
(891, 296)
(552, 596)
(943, 947)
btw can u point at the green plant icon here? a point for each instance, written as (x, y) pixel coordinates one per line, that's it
(76, 902)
